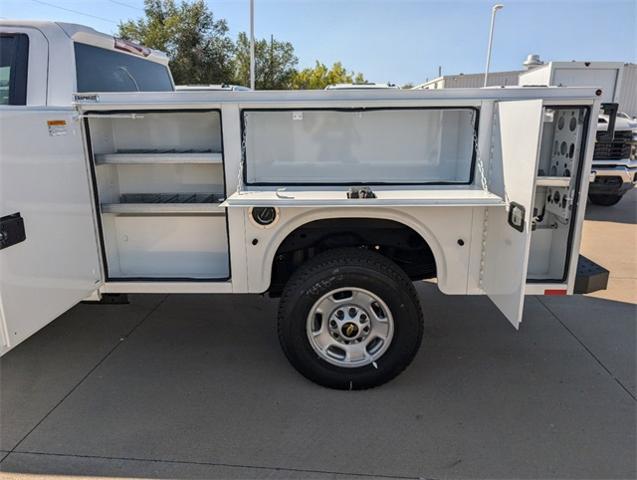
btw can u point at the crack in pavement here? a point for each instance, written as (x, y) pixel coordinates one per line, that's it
(228, 465)
(590, 352)
(108, 354)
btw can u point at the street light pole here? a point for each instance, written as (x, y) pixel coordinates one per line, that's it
(252, 61)
(494, 10)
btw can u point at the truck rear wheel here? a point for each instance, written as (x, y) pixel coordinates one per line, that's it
(605, 200)
(350, 319)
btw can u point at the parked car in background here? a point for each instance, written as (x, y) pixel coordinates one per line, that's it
(614, 160)
(218, 87)
(362, 86)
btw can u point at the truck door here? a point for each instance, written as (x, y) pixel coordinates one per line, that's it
(48, 244)
(508, 231)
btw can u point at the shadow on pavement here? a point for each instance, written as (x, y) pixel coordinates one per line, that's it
(624, 212)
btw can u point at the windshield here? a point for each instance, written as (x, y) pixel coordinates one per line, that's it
(102, 70)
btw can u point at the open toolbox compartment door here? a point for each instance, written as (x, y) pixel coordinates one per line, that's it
(508, 231)
(48, 250)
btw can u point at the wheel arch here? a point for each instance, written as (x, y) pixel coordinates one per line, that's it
(292, 222)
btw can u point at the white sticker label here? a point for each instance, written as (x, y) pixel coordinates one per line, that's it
(297, 115)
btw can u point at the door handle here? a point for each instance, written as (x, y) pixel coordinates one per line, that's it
(11, 230)
(517, 213)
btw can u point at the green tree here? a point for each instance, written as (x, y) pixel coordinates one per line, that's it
(197, 44)
(274, 63)
(201, 51)
(319, 76)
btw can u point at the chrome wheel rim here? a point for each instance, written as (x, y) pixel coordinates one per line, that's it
(350, 327)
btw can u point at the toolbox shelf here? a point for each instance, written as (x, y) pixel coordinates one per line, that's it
(165, 203)
(553, 181)
(153, 158)
(162, 208)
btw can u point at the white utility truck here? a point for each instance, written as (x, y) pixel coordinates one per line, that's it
(335, 200)
(615, 155)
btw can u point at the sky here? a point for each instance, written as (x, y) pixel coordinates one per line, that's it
(399, 41)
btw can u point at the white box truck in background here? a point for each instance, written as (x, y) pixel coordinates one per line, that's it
(615, 155)
(335, 201)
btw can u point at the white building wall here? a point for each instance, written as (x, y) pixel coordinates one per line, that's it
(476, 80)
(628, 90)
(538, 76)
(434, 84)
(471, 80)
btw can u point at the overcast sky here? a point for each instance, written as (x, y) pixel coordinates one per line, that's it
(399, 40)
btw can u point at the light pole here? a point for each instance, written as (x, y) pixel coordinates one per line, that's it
(494, 10)
(252, 61)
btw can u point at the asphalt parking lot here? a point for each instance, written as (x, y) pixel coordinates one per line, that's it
(185, 386)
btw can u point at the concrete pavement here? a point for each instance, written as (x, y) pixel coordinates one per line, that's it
(610, 238)
(196, 387)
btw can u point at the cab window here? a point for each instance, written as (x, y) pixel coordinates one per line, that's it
(14, 58)
(102, 70)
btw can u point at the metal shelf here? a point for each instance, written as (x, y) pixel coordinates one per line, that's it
(553, 181)
(162, 208)
(154, 158)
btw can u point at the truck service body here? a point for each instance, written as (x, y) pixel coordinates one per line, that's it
(333, 200)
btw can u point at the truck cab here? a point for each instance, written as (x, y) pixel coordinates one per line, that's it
(45, 199)
(46, 63)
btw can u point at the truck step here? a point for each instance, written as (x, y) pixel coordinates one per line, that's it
(590, 277)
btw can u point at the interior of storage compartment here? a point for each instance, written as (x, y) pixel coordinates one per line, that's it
(397, 145)
(117, 181)
(563, 141)
(157, 133)
(166, 246)
(160, 180)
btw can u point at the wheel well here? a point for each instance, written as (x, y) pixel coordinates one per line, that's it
(394, 240)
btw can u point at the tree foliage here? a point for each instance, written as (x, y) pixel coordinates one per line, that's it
(274, 63)
(319, 76)
(201, 51)
(197, 44)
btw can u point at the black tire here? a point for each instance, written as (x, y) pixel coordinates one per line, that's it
(605, 200)
(350, 267)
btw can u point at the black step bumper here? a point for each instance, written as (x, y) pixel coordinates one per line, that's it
(590, 277)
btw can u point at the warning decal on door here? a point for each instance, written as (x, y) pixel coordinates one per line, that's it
(57, 127)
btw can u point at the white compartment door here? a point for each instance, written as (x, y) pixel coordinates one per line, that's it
(508, 236)
(45, 194)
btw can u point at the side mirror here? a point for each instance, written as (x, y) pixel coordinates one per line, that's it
(609, 109)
